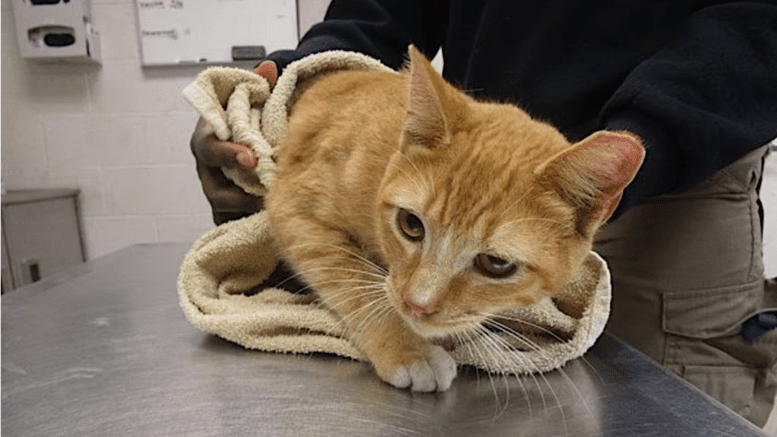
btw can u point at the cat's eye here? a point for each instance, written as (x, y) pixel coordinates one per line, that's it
(411, 226)
(494, 267)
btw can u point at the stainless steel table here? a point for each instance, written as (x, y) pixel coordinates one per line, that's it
(103, 349)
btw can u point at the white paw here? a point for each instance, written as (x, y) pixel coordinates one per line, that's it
(436, 372)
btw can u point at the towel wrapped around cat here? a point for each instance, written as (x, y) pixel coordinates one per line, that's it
(222, 272)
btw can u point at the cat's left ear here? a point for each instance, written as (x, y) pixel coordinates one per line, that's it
(426, 123)
(592, 174)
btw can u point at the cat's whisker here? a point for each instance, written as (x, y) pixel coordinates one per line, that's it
(357, 302)
(412, 177)
(429, 180)
(349, 281)
(533, 219)
(494, 342)
(368, 283)
(485, 340)
(499, 340)
(377, 301)
(288, 279)
(343, 307)
(469, 343)
(382, 309)
(522, 339)
(356, 256)
(334, 302)
(386, 311)
(372, 289)
(538, 219)
(506, 348)
(557, 223)
(493, 320)
(510, 332)
(495, 353)
(307, 271)
(515, 202)
(373, 268)
(494, 317)
(368, 293)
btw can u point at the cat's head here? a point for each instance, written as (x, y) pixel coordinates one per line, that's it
(483, 209)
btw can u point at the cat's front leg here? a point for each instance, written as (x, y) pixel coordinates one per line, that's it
(355, 289)
(404, 359)
(435, 372)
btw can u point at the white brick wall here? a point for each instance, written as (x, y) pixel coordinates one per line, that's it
(118, 131)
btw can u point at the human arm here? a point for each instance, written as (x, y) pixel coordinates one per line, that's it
(702, 101)
(227, 200)
(382, 29)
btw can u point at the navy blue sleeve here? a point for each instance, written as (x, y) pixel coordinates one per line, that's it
(702, 101)
(382, 29)
(705, 99)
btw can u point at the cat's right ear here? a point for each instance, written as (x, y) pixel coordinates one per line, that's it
(592, 174)
(425, 124)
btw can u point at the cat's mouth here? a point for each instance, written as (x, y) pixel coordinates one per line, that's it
(433, 323)
(437, 326)
(516, 334)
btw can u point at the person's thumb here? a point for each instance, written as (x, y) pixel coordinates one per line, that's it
(267, 70)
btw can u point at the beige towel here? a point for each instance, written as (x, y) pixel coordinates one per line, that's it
(240, 108)
(237, 257)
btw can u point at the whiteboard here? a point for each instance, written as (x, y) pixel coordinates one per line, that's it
(177, 32)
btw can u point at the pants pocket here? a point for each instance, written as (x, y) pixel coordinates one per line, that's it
(710, 313)
(731, 386)
(704, 346)
(750, 392)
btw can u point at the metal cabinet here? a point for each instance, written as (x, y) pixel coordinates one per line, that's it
(41, 234)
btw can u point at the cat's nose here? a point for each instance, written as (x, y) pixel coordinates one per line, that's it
(417, 309)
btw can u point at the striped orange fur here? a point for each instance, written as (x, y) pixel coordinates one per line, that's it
(416, 212)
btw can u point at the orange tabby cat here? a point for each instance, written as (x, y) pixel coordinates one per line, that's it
(416, 211)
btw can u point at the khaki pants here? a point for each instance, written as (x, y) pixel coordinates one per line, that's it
(687, 270)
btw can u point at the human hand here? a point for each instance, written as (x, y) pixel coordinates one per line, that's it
(227, 200)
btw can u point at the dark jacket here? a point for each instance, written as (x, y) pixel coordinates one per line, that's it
(696, 80)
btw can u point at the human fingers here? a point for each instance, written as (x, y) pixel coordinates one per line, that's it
(211, 152)
(268, 70)
(227, 200)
